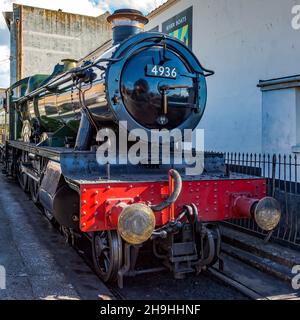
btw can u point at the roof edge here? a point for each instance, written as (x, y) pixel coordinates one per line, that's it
(279, 83)
(162, 8)
(7, 17)
(58, 10)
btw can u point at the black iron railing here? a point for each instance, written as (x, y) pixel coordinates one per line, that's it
(283, 177)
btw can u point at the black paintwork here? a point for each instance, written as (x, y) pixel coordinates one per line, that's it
(143, 95)
(124, 92)
(138, 98)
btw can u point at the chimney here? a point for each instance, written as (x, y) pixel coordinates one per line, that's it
(126, 23)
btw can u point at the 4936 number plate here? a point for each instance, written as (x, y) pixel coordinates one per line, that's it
(154, 70)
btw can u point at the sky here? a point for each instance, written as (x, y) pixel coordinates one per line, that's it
(86, 7)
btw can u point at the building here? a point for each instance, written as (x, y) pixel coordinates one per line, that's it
(243, 42)
(3, 116)
(40, 38)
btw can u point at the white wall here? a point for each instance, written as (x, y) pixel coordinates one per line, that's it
(243, 41)
(297, 146)
(279, 119)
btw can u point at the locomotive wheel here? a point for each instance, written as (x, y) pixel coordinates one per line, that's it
(107, 254)
(23, 180)
(217, 240)
(66, 233)
(21, 176)
(34, 190)
(49, 215)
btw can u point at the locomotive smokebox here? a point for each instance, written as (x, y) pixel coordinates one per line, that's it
(126, 23)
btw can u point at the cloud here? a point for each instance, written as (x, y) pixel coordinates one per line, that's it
(143, 5)
(86, 7)
(4, 66)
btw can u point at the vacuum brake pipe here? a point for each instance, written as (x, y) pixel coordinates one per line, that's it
(175, 194)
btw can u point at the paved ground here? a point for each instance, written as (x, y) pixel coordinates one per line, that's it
(40, 265)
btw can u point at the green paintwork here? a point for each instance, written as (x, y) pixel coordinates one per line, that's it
(58, 138)
(50, 124)
(35, 81)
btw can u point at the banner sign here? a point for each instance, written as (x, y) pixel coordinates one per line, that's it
(181, 27)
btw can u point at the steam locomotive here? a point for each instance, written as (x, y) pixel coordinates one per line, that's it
(150, 81)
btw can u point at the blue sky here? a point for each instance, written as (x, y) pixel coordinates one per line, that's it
(88, 7)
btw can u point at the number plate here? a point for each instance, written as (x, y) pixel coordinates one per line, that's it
(154, 70)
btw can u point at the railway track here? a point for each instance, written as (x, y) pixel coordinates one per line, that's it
(253, 283)
(244, 289)
(266, 268)
(266, 285)
(212, 273)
